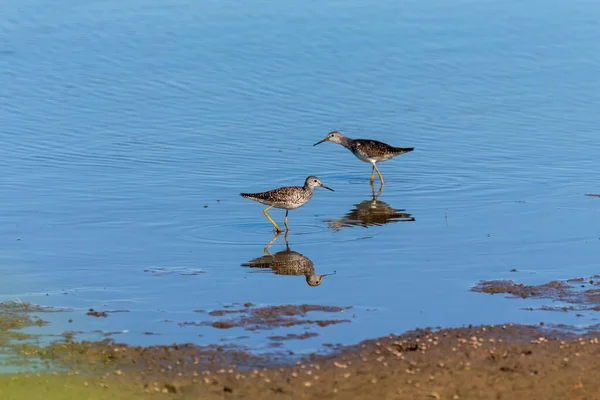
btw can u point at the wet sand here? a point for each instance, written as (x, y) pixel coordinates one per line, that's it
(489, 362)
(484, 362)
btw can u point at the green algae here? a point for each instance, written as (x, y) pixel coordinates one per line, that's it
(16, 315)
(18, 321)
(68, 386)
(20, 351)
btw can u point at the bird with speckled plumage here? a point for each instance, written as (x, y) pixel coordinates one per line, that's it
(367, 150)
(287, 197)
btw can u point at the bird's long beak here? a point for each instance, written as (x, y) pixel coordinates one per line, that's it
(324, 140)
(327, 188)
(324, 275)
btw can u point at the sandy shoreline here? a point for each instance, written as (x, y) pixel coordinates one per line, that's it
(484, 362)
(487, 362)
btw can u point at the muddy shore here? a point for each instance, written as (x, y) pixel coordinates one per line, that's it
(486, 362)
(480, 362)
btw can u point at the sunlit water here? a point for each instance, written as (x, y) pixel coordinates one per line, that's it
(128, 129)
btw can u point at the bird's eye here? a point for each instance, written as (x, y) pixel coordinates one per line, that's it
(315, 181)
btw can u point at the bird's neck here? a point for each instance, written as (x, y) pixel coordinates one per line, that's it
(346, 142)
(308, 188)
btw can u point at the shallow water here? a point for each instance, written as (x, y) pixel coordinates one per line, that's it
(129, 129)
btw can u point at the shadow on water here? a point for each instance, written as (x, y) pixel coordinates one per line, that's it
(369, 213)
(287, 262)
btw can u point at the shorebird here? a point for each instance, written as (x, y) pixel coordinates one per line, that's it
(367, 150)
(288, 198)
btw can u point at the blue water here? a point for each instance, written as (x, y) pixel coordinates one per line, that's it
(120, 121)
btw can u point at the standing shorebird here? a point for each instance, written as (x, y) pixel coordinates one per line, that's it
(371, 151)
(288, 198)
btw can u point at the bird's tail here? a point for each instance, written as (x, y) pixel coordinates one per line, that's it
(402, 150)
(253, 196)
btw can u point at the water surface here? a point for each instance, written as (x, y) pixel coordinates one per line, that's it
(129, 129)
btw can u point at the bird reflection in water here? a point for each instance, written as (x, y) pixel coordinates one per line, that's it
(287, 262)
(370, 212)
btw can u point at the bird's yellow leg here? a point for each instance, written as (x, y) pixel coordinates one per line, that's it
(285, 222)
(372, 174)
(266, 249)
(378, 173)
(277, 228)
(373, 191)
